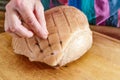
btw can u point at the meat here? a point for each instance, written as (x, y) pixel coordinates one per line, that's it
(69, 38)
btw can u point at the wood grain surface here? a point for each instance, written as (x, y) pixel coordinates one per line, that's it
(101, 62)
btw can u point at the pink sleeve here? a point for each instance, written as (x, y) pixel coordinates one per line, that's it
(118, 18)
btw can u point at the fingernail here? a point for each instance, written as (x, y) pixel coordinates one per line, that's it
(30, 34)
(45, 28)
(45, 35)
(46, 31)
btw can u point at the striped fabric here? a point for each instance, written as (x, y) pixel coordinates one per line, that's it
(98, 12)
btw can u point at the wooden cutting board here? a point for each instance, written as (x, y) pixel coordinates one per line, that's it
(101, 62)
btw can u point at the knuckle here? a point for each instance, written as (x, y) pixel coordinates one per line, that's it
(37, 31)
(7, 7)
(30, 21)
(19, 3)
(42, 8)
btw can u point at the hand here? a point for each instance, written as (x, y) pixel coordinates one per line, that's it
(32, 13)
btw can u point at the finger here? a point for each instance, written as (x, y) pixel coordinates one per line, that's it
(21, 31)
(16, 26)
(6, 27)
(39, 12)
(31, 20)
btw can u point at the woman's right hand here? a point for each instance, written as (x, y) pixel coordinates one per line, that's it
(32, 13)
